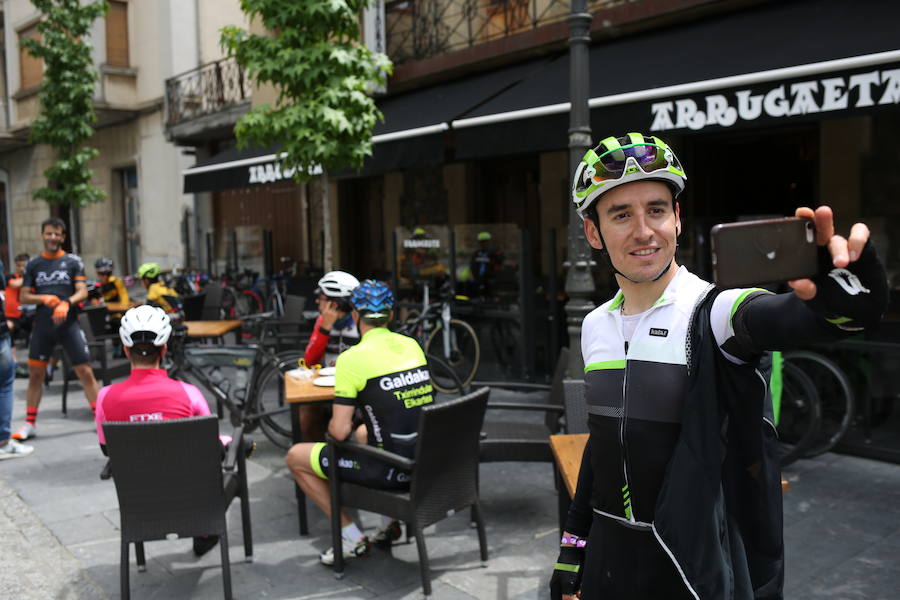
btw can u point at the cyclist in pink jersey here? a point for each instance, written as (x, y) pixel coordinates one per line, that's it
(148, 394)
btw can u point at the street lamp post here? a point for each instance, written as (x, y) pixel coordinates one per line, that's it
(579, 280)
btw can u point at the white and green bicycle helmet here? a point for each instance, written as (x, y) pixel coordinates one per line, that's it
(615, 161)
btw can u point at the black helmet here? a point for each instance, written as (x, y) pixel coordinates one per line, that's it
(103, 264)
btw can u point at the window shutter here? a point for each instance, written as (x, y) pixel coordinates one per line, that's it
(117, 34)
(31, 69)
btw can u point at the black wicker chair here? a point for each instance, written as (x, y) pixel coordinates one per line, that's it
(576, 407)
(212, 302)
(504, 439)
(292, 330)
(105, 364)
(444, 477)
(170, 483)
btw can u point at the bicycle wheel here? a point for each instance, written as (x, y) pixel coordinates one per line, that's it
(269, 396)
(463, 357)
(440, 370)
(801, 413)
(275, 305)
(251, 302)
(835, 393)
(228, 307)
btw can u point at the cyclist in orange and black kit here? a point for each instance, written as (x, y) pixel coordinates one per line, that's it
(54, 280)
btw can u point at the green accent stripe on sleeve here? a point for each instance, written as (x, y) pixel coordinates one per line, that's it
(565, 567)
(314, 459)
(605, 365)
(776, 385)
(839, 320)
(739, 300)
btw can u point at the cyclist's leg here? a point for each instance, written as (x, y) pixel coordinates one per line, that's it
(309, 466)
(40, 349)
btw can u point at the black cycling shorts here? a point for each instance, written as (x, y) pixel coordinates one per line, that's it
(626, 563)
(360, 469)
(45, 335)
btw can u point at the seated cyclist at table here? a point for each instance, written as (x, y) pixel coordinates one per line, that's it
(149, 394)
(333, 332)
(158, 294)
(385, 379)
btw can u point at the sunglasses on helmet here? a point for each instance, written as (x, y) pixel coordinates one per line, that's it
(614, 164)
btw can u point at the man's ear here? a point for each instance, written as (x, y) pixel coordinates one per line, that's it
(592, 233)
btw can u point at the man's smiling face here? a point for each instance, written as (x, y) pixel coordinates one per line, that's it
(639, 226)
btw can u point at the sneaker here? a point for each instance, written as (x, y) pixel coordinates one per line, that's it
(386, 534)
(25, 432)
(14, 449)
(360, 548)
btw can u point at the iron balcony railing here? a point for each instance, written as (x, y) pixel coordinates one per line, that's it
(418, 29)
(208, 89)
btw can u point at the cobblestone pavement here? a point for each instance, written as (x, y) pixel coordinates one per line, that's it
(59, 528)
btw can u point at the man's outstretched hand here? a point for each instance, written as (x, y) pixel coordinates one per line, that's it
(850, 289)
(843, 250)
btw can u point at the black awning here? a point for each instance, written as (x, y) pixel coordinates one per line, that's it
(430, 109)
(661, 80)
(234, 168)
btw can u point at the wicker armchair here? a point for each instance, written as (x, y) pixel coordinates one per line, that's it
(172, 483)
(444, 476)
(505, 439)
(105, 364)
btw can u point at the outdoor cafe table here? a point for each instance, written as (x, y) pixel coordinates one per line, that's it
(297, 392)
(567, 450)
(212, 329)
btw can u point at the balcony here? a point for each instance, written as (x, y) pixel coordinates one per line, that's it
(205, 103)
(422, 29)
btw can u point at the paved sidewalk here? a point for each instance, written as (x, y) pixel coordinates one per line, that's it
(59, 527)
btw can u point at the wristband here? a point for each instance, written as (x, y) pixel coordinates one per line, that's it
(324, 331)
(572, 540)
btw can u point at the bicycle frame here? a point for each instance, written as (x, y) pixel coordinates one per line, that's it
(183, 364)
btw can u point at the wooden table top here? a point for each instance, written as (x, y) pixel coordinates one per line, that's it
(568, 449)
(211, 328)
(300, 391)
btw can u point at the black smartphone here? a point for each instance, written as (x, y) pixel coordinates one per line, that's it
(751, 253)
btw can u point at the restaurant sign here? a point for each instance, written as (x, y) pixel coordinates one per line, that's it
(272, 172)
(829, 93)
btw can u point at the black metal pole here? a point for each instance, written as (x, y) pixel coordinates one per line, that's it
(579, 280)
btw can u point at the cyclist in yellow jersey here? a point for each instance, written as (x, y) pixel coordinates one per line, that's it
(158, 294)
(112, 290)
(386, 377)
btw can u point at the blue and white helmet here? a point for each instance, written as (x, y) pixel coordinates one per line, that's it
(373, 298)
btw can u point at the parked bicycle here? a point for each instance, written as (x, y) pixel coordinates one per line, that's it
(817, 405)
(452, 340)
(246, 379)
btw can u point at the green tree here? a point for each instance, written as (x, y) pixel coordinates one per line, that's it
(324, 113)
(66, 98)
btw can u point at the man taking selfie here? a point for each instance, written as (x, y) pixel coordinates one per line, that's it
(679, 493)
